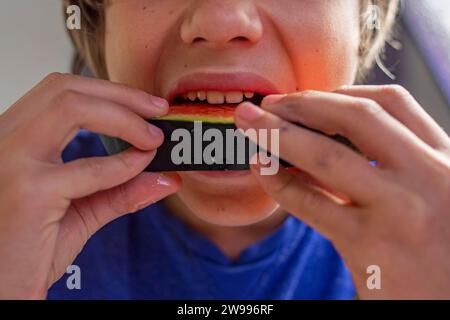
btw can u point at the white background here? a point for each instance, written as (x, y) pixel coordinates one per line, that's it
(33, 43)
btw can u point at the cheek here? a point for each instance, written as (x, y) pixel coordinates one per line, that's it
(135, 33)
(323, 43)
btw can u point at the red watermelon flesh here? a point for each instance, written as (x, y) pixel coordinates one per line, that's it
(204, 113)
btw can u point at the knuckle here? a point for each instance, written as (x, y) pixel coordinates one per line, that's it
(53, 77)
(395, 91)
(94, 166)
(330, 156)
(68, 98)
(68, 102)
(366, 108)
(56, 78)
(124, 160)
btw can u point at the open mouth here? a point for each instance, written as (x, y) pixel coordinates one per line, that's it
(199, 127)
(193, 116)
(217, 98)
(213, 107)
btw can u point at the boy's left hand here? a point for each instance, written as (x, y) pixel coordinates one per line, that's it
(396, 215)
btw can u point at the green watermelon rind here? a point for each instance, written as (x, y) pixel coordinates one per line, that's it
(213, 114)
(193, 119)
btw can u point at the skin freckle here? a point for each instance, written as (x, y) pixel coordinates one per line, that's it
(284, 128)
(322, 163)
(289, 107)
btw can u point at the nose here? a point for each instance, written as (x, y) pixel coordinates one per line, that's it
(221, 22)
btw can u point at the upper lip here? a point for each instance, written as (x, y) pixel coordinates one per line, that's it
(223, 82)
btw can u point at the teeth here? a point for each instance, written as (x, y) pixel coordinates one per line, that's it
(217, 97)
(249, 95)
(201, 95)
(234, 97)
(192, 96)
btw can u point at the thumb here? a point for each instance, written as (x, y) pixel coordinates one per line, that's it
(87, 215)
(105, 206)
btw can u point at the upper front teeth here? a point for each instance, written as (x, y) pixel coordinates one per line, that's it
(217, 97)
(192, 96)
(234, 97)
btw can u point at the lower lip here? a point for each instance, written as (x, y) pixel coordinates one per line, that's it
(223, 174)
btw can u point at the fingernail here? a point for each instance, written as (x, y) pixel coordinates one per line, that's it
(155, 132)
(161, 181)
(272, 99)
(164, 180)
(159, 102)
(249, 112)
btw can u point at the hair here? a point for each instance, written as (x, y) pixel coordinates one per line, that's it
(90, 48)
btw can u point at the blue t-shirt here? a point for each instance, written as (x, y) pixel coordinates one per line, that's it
(154, 255)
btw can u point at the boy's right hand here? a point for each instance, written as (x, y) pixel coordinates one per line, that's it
(48, 210)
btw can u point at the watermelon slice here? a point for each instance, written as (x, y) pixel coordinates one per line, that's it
(207, 114)
(196, 120)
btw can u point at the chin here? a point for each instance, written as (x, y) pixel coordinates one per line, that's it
(232, 199)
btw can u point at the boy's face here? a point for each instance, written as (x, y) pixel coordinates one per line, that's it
(293, 44)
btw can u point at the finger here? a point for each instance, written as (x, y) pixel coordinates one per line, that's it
(55, 84)
(137, 194)
(55, 128)
(138, 100)
(330, 162)
(83, 177)
(400, 104)
(310, 180)
(377, 134)
(86, 216)
(307, 203)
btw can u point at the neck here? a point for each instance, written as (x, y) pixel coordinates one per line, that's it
(232, 241)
